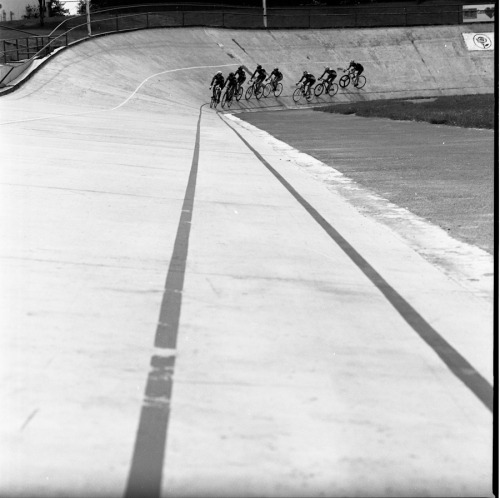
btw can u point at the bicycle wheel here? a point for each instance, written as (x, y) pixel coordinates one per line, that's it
(249, 92)
(318, 89)
(239, 93)
(278, 90)
(334, 88)
(259, 92)
(267, 90)
(361, 82)
(344, 81)
(297, 94)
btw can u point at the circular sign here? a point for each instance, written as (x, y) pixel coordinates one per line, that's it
(482, 41)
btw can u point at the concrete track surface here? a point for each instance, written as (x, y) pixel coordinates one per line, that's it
(187, 311)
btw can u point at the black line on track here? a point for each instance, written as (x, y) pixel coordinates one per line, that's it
(149, 452)
(458, 365)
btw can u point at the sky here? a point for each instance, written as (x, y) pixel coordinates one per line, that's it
(71, 5)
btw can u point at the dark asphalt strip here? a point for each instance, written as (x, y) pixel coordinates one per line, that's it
(458, 365)
(149, 452)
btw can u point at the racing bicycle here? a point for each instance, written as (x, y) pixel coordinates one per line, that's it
(256, 89)
(299, 93)
(227, 98)
(215, 96)
(350, 77)
(273, 86)
(327, 88)
(239, 92)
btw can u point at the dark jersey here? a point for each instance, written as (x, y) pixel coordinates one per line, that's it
(277, 74)
(356, 66)
(308, 78)
(331, 73)
(231, 81)
(240, 73)
(218, 79)
(261, 73)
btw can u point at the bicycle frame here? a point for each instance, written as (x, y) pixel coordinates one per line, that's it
(304, 93)
(216, 92)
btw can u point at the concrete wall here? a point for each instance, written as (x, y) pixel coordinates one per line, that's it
(399, 62)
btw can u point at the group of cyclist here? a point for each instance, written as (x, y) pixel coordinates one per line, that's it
(260, 75)
(236, 79)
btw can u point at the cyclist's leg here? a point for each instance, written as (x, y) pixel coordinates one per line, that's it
(310, 88)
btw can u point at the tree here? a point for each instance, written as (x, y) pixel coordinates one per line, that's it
(41, 10)
(56, 8)
(82, 6)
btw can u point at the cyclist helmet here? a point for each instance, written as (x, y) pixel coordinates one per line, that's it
(352, 62)
(219, 72)
(304, 73)
(276, 69)
(241, 67)
(231, 74)
(259, 67)
(327, 68)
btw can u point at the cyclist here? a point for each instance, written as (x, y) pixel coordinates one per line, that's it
(332, 74)
(276, 76)
(218, 79)
(231, 85)
(356, 69)
(309, 81)
(241, 76)
(261, 75)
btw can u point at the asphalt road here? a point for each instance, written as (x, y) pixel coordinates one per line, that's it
(443, 174)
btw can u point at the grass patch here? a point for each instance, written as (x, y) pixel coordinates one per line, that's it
(466, 111)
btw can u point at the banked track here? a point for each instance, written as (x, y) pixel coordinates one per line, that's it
(189, 313)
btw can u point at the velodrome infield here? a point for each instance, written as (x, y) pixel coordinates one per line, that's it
(193, 308)
(441, 173)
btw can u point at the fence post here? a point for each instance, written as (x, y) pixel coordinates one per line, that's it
(4, 53)
(147, 19)
(89, 24)
(28, 47)
(17, 48)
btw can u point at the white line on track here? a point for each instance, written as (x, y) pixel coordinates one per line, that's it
(131, 96)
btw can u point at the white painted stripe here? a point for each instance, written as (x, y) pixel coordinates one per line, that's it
(131, 96)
